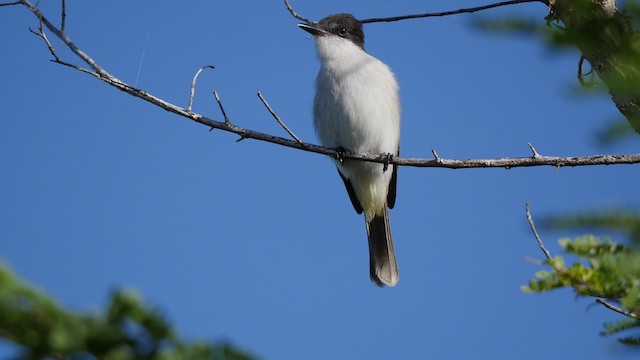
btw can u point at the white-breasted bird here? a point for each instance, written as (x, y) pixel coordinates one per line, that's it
(357, 109)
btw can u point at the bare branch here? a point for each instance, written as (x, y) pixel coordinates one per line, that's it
(97, 68)
(63, 16)
(11, 3)
(193, 85)
(224, 113)
(507, 163)
(76, 67)
(275, 116)
(615, 308)
(40, 33)
(454, 12)
(295, 13)
(535, 233)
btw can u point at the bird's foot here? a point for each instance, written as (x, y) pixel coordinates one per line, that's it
(340, 154)
(387, 158)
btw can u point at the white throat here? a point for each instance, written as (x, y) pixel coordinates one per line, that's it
(339, 53)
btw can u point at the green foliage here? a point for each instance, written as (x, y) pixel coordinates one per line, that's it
(622, 325)
(604, 269)
(128, 330)
(605, 273)
(607, 39)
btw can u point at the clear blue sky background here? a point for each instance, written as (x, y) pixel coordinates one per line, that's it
(259, 244)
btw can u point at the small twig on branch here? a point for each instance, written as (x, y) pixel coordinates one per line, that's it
(40, 33)
(547, 254)
(616, 309)
(63, 16)
(435, 155)
(533, 150)
(224, 113)
(11, 3)
(67, 41)
(193, 85)
(295, 13)
(453, 12)
(275, 116)
(535, 233)
(76, 67)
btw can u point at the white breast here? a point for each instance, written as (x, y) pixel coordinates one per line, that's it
(357, 108)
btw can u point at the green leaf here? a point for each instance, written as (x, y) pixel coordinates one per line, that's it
(129, 329)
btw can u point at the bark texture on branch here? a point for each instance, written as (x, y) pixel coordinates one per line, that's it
(607, 39)
(244, 133)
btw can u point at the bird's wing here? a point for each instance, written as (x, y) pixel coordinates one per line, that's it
(391, 193)
(352, 193)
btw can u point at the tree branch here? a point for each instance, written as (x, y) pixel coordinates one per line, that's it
(546, 252)
(224, 113)
(438, 162)
(607, 39)
(275, 116)
(453, 12)
(615, 308)
(63, 16)
(295, 14)
(193, 85)
(40, 33)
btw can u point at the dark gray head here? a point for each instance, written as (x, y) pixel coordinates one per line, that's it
(343, 25)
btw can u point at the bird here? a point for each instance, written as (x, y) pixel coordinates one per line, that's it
(357, 109)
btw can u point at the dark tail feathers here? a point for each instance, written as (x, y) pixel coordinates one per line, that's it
(382, 265)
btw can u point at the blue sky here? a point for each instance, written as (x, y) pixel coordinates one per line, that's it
(259, 244)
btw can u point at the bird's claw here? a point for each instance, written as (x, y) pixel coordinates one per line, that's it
(340, 154)
(388, 158)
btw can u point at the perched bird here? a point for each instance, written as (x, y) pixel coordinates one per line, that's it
(357, 110)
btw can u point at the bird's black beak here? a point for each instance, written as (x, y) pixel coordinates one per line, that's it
(312, 29)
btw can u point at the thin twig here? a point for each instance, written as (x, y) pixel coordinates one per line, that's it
(295, 14)
(42, 35)
(616, 309)
(193, 85)
(63, 16)
(275, 116)
(11, 3)
(454, 12)
(535, 233)
(224, 113)
(75, 67)
(435, 155)
(533, 150)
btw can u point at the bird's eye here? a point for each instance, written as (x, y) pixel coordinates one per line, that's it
(342, 31)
